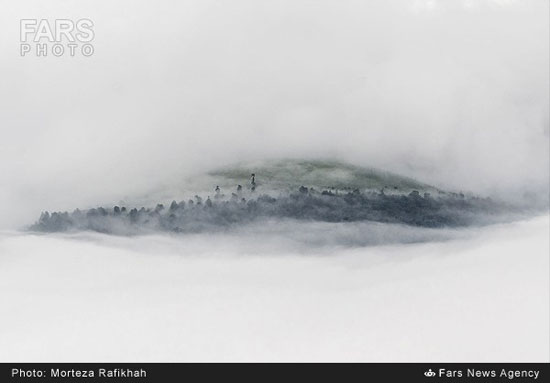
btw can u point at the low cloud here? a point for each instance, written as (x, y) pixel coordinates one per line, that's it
(451, 93)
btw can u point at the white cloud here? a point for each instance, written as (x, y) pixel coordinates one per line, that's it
(457, 97)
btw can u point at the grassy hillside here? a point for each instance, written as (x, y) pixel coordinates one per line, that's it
(321, 174)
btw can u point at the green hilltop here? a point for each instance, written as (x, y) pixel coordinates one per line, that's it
(320, 174)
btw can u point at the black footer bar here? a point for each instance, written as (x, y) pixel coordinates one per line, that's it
(258, 372)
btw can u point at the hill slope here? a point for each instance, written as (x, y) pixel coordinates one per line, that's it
(320, 174)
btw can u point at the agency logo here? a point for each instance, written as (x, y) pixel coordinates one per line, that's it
(429, 373)
(59, 37)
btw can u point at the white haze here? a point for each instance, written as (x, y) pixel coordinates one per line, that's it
(453, 93)
(482, 297)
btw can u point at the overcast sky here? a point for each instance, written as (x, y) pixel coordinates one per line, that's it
(454, 93)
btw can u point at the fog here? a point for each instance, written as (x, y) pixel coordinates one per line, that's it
(453, 93)
(477, 296)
